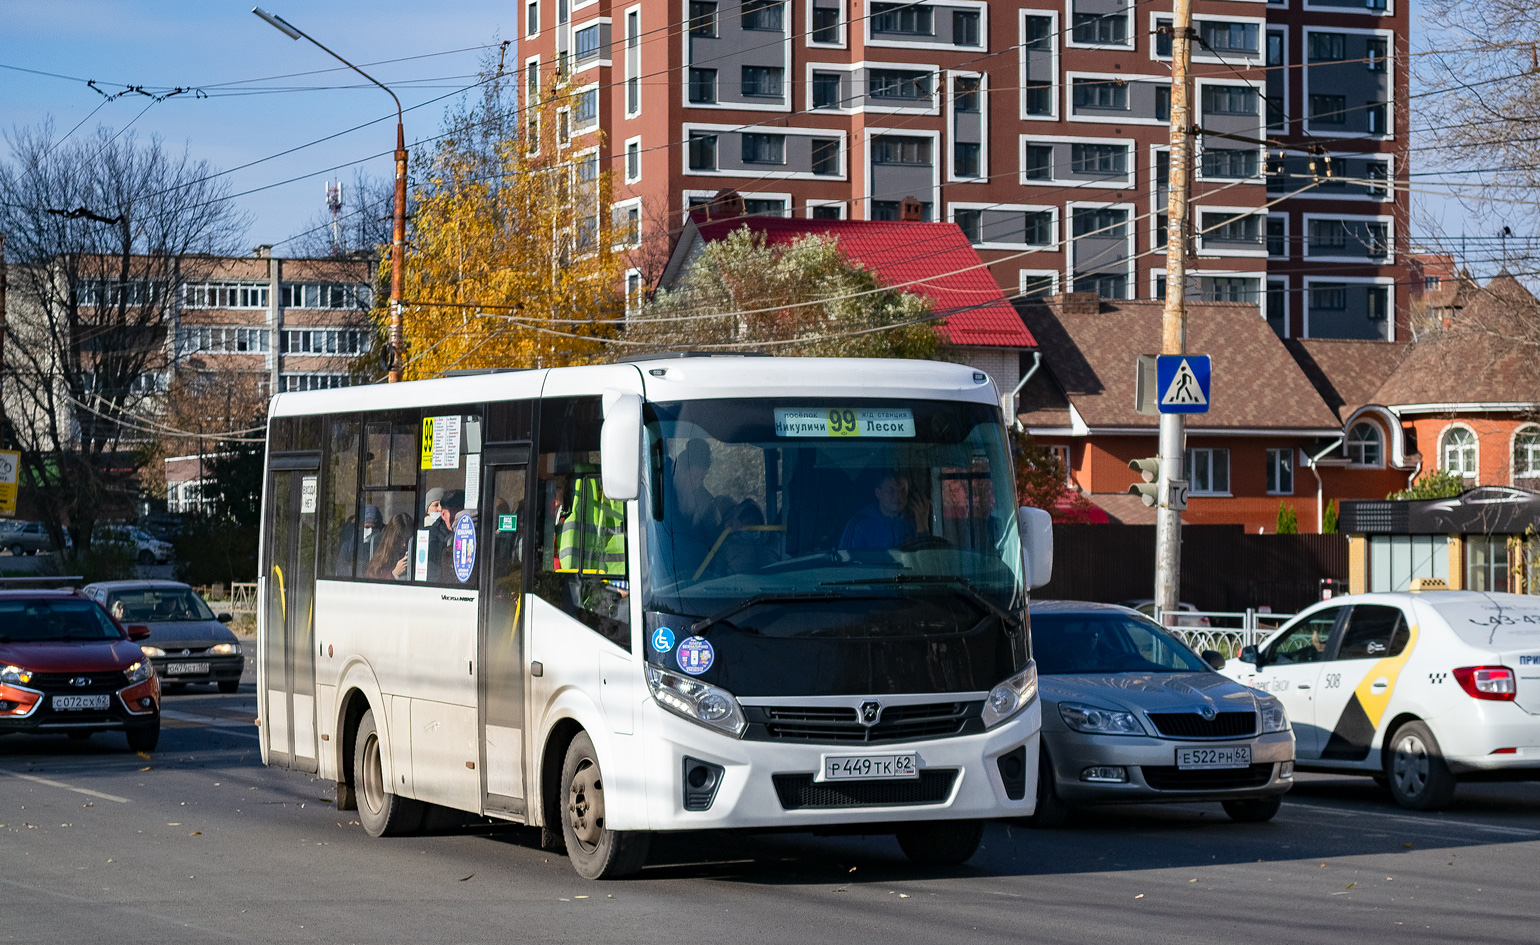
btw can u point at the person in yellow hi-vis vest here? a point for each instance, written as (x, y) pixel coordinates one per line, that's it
(591, 547)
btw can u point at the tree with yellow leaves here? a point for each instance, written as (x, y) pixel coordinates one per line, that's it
(510, 259)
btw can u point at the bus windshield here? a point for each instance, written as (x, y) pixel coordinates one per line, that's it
(798, 518)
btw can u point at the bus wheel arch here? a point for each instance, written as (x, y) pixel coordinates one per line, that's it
(354, 705)
(552, 757)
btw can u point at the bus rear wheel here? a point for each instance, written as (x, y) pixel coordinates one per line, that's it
(382, 813)
(941, 842)
(596, 851)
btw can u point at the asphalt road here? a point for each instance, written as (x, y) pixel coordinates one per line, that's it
(200, 843)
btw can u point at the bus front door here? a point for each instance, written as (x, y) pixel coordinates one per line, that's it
(288, 664)
(500, 644)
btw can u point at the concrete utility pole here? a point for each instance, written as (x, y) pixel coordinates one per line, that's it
(398, 228)
(4, 279)
(1173, 328)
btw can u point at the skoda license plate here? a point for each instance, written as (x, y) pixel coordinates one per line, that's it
(1194, 759)
(186, 669)
(869, 767)
(81, 702)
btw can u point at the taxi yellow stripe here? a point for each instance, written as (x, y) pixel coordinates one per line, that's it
(1374, 704)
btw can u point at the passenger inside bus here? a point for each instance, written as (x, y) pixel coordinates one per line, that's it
(450, 504)
(885, 522)
(393, 552)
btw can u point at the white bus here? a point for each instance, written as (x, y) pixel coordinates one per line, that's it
(669, 594)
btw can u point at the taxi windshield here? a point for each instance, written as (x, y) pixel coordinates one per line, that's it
(821, 502)
(54, 621)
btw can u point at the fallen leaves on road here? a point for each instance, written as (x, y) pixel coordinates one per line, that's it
(903, 895)
(196, 833)
(1407, 844)
(1140, 896)
(1350, 885)
(177, 824)
(464, 878)
(1192, 880)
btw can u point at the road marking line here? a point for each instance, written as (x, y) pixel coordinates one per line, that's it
(68, 787)
(1419, 821)
(228, 726)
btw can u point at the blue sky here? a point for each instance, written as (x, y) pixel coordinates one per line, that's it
(205, 43)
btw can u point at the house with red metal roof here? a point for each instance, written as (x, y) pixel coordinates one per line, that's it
(978, 324)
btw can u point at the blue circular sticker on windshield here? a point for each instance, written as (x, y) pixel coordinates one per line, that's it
(464, 549)
(663, 639)
(695, 655)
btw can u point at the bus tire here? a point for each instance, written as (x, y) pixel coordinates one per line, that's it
(941, 842)
(596, 851)
(1419, 779)
(381, 812)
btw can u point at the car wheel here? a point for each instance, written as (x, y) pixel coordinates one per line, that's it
(941, 842)
(229, 685)
(144, 737)
(382, 813)
(1419, 779)
(1256, 811)
(596, 851)
(1051, 812)
(16, 551)
(146, 558)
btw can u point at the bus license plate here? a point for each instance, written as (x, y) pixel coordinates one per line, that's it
(869, 767)
(81, 702)
(186, 669)
(1196, 759)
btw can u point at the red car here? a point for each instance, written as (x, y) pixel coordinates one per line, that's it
(67, 667)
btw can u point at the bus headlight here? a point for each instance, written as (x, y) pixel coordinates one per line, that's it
(1011, 696)
(697, 701)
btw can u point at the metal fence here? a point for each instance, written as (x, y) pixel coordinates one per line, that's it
(240, 599)
(1227, 631)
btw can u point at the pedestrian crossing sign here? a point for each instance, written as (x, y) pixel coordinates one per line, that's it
(1182, 382)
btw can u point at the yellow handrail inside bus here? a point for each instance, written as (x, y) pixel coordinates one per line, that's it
(723, 537)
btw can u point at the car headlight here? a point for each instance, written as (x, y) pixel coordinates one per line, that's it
(696, 701)
(148, 650)
(15, 675)
(225, 649)
(139, 672)
(1093, 720)
(1011, 696)
(1274, 719)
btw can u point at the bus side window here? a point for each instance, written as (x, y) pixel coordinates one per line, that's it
(582, 543)
(449, 454)
(342, 532)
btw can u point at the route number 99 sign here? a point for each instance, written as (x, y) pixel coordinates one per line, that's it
(843, 421)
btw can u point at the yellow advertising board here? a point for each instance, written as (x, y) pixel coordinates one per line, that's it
(10, 472)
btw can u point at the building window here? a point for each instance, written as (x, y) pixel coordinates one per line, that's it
(1275, 114)
(1036, 286)
(1227, 289)
(202, 295)
(1038, 162)
(826, 90)
(587, 42)
(1328, 297)
(1038, 35)
(1101, 30)
(1229, 100)
(345, 341)
(1274, 48)
(1100, 93)
(971, 223)
(762, 15)
(634, 292)
(1039, 95)
(1228, 37)
(965, 159)
(1486, 563)
(826, 25)
(1326, 236)
(1163, 102)
(1208, 471)
(1394, 560)
(896, 149)
(1108, 285)
(893, 83)
(1278, 306)
(323, 295)
(703, 151)
(703, 86)
(1104, 223)
(764, 149)
(633, 62)
(908, 19)
(703, 18)
(1365, 445)
(1457, 452)
(1376, 118)
(764, 207)
(1228, 228)
(633, 161)
(302, 382)
(198, 339)
(1379, 173)
(531, 82)
(1230, 162)
(891, 211)
(1325, 47)
(1376, 53)
(1328, 109)
(1280, 472)
(762, 81)
(965, 93)
(586, 110)
(965, 27)
(1526, 452)
(826, 156)
(828, 211)
(1377, 241)
(628, 225)
(1037, 227)
(1277, 236)
(1098, 159)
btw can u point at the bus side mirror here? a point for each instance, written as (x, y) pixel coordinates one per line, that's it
(620, 446)
(1036, 527)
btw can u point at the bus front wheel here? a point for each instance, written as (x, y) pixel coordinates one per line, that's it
(383, 813)
(941, 842)
(596, 851)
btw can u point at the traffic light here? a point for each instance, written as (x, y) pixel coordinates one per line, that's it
(1148, 491)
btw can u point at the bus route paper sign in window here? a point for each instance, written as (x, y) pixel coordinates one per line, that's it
(441, 442)
(844, 421)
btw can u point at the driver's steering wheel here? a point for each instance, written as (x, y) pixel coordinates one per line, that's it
(925, 543)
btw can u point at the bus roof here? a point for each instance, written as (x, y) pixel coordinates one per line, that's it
(668, 379)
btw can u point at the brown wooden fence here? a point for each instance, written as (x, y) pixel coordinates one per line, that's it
(1223, 567)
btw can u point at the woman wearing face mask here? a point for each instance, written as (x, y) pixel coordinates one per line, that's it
(392, 552)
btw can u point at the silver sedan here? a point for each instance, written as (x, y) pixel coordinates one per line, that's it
(1131, 715)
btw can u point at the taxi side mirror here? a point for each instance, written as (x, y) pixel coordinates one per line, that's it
(1249, 655)
(620, 446)
(138, 631)
(1036, 527)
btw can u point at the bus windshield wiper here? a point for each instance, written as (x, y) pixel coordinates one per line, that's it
(755, 600)
(960, 583)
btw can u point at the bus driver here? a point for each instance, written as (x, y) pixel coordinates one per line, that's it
(885, 522)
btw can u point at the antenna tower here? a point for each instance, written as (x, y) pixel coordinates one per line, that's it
(334, 204)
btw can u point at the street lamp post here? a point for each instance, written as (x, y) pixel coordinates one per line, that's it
(398, 227)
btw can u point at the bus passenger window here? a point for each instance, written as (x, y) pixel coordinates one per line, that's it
(342, 531)
(449, 453)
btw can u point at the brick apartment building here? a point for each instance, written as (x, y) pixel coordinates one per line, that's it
(1038, 127)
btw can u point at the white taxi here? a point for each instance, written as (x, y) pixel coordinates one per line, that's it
(1417, 689)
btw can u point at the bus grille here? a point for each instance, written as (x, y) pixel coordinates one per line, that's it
(800, 791)
(1172, 778)
(842, 725)
(1193, 725)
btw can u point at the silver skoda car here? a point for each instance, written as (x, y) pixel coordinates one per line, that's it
(1131, 715)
